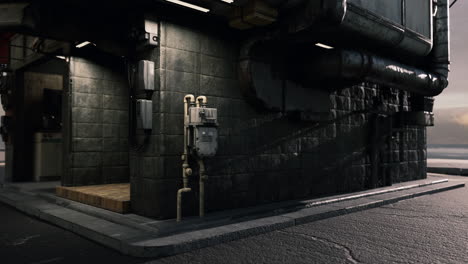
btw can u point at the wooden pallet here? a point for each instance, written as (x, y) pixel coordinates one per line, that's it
(113, 197)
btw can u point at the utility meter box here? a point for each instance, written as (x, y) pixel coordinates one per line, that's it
(205, 130)
(146, 75)
(203, 116)
(144, 113)
(206, 141)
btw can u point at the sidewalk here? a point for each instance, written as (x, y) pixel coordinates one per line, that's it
(145, 237)
(448, 166)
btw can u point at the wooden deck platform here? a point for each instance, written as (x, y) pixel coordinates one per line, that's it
(113, 197)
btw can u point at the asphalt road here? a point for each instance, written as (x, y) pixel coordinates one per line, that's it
(27, 240)
(428, 229)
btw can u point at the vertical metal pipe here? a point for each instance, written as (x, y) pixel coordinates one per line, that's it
(186, 171)
(441, 50)
(201, 102)
(179, 202)
(203, 178)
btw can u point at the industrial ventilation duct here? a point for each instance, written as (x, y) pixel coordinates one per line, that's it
(403, 25)
(390, 25)
(432, 81)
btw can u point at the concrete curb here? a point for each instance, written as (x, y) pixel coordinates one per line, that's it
(141, 242)
(448, 170)
(245, 213)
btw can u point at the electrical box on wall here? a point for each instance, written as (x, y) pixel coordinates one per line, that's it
(146, 34)
(151, 32)
(146, 75)
(144, 112)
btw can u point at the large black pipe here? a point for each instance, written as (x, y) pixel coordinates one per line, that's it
(354, 18)
(360, 66)
(441, 51)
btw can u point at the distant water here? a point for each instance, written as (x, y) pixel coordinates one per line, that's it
(447, 151)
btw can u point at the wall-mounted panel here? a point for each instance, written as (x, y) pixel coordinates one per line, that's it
(418, 16)
(417, 13)
(390, 9)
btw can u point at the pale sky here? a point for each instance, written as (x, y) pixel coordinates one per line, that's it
(456, 94)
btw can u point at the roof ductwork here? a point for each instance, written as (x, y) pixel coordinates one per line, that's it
(362, 66)
(401, 25)
(311, 65)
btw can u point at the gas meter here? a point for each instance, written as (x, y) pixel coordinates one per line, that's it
(203, 122)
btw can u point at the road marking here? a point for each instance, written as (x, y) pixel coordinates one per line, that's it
(48, 260)
(22, 241)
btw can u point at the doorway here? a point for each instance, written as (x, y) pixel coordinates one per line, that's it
(37, 136)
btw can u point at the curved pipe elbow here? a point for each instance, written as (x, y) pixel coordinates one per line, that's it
(183, 190)
(438, 86)
(179, 202)
(189, 98)
(201, 100)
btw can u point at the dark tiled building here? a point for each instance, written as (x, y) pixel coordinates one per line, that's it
(313, 97)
